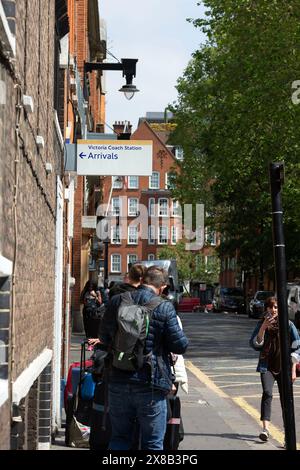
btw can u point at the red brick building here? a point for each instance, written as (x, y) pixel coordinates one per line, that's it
(142, 213)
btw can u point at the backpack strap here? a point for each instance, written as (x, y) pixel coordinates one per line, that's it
(154, 302)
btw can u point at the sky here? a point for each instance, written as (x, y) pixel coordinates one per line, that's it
(157, 34)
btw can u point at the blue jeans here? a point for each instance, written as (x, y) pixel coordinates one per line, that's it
(128, 402)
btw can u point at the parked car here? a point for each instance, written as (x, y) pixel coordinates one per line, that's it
(257, 304)
(188, 304)
(293, 301)
(228, 299)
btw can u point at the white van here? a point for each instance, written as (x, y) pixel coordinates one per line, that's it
(175, 289)
(293, 301)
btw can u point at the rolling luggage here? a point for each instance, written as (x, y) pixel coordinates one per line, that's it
(79, 404)
(100, 422)
(174, 432)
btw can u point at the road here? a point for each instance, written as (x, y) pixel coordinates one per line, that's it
(219, 347)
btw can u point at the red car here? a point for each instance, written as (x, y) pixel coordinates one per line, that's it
(189, 304)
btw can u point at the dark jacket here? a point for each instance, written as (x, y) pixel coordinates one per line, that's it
(262, 365)
(119, 288)
(165, 336)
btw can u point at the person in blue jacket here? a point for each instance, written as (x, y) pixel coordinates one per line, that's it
(265, 339)
(142, 393)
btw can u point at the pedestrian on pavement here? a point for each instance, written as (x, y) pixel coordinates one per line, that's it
(265, 338)
(142, 393)
(132, 280)
(91, 299)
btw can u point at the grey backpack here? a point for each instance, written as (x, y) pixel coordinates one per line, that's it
(133, 327)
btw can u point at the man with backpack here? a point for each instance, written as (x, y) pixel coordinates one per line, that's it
(141, 330)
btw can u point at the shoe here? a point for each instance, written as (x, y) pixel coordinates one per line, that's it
(264, 435)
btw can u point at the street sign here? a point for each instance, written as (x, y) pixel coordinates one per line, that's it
(114, 157)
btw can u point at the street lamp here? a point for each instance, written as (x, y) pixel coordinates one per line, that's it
(128, 67)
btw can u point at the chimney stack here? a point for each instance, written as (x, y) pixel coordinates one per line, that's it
(122, 129)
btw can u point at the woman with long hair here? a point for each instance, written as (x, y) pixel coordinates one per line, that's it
(265, 339)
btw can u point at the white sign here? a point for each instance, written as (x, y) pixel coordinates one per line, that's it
(114, 157)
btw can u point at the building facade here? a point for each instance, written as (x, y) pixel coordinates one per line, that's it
(142, 214)
(31, 153)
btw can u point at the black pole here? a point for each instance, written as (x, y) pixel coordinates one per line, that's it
(276, 180)
(106, 242)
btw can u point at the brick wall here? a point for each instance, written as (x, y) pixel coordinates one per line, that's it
(77, 242)
(36, 198)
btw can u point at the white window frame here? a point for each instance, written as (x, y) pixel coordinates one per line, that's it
(6, 35)
(112, 263)
(130, 186)
(151, 234)
(113, 208)
(133, 213)
(151, 257)
(130, 227)
(115, 230)
(175, 208)
(159, 207)
(179, 153)
(151, 205)
(210, 237)
(151, 186)
(166, 181)
(116, 184)
(128, 257)
(160, 242)
(174, 238)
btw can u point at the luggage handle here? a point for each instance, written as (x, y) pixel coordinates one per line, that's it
(82, 363)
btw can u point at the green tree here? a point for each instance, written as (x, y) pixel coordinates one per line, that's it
(234, 116)
(191, 266)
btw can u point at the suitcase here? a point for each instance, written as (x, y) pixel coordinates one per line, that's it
(73, 379)
(174, 431)
(100, 423)
(79, 394)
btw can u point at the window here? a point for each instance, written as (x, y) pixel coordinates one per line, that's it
(151, 234)
(151, 257)
(133, 182)
(163, 208)
(115, 263)
(174, 235)
(115, 204)
(210, 261)
(179, 153)
(131, 259)
(210, 236)
(151, 207)
(176, 209)
(154, 180)
(232, 264)
(168, 181)
(115, 234)
(133, 235)
(117, 182)
(162, 235)
(133, 206)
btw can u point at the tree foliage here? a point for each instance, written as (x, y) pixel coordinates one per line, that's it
(191, 266)
(234, 116)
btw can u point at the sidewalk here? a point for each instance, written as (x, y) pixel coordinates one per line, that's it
(211, 422)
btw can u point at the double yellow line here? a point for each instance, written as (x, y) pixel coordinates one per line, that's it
(274, 431)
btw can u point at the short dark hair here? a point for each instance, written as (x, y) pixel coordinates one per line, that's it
(270, 301)
(136, 272)
(156, 276)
